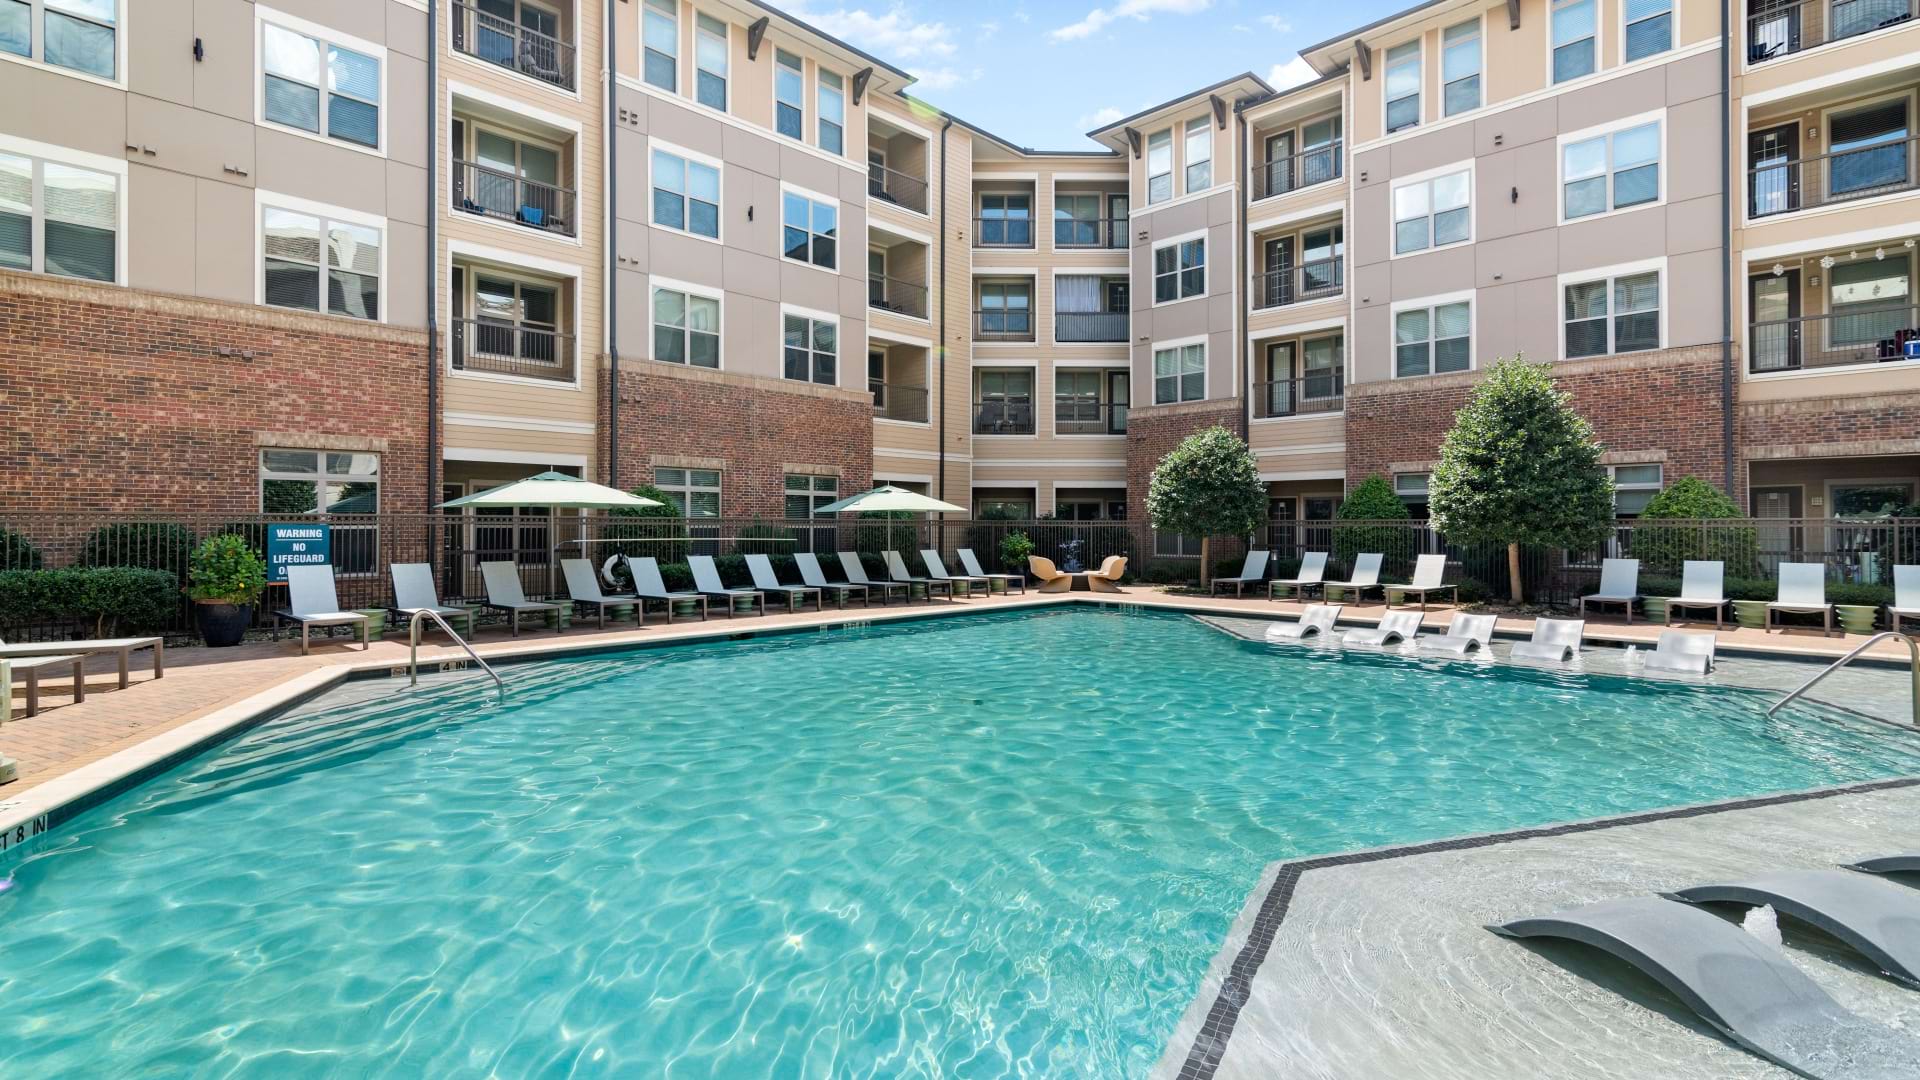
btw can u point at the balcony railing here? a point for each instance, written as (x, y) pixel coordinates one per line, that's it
(1089, 326)
(1003, 325)
(1323, 393)
(891, 185)
(1316, 280)
(512, 46)
(1870, 336)
(1004, 416)
(1079, 416)
(503, 196)
(1090, 232)
(1001, 232)
(892, 401)
(1304, 169)
(512, 349)
(1859, 173)
(1777, 29)
(900, 297)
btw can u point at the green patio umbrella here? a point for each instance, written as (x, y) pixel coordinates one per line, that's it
(889, 498)
(554, 490)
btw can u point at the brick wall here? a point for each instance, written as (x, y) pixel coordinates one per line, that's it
(1849, 425)
(1153, 432)
(117, 400)
(754, 429)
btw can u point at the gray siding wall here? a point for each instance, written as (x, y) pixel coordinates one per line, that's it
(1212, 316)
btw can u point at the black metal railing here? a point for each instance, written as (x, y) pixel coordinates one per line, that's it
(1295, 171)
(1304, 396)
(1003, 416)
(502, 348)
(1297, 284)
(1777, 29)
(1874, 335)
(512, 46)
(1089, 326)
(1003, 325)
(1003, 232)
(1079, 416)
(899, 297)
(1861, 173)
(1090, 232)
(896, 187)
(892, 401)
(503, 196)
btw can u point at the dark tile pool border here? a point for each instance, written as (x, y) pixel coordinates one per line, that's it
(1210, 1042)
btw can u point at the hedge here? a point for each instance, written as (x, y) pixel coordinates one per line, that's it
(154, 545)
(116, 598)
(17, 552)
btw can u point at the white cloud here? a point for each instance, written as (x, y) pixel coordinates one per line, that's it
(1097, 19)
(895, 35)
(1292, 73)
(943, 78)
(1278, 24)
(1100, 118)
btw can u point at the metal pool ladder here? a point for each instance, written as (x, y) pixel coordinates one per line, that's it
(1913, 649)
(413, 650)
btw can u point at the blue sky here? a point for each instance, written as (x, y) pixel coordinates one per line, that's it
(1043, 72)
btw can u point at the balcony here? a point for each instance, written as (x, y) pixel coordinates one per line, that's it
(502, 196)
(1003, 325)
(501, 41)
(516, 349)
(1876, 335)
(1003, 232)
(1087, 326)
(1782, 29)
(1294, 172)
(1782, 187)
(907, 298)
(1317, 280)
(1003, 416)
(1090, 233)
(1080, 415)
(1307, 396)
(896, 187)
(891, 401)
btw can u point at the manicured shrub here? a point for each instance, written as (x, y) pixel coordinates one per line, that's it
(1014, 551)
(117, 599)
(226, 570)
(154, 545)
(758, 539)
(1664, 549)
(17, 552)
(1373, 500)
(1208, 486)
(894, 530)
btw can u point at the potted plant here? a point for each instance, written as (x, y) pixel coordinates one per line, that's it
(225, 577)
(1013, 554)
(1655, 607)
(1751, 614)
(1857, 618)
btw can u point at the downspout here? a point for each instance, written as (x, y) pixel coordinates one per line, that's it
(610, 294)
(1728, 187)
(433, 254)
(942, 465)
(1242, 373)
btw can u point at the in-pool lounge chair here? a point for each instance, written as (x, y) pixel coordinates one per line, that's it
(312, 602)
(1366, 575)
(1313, 570)
(1007, 581)
(1395, 627)
(1252, 572)
(1702, 585)
(28, 670)
(1465, 634)
(1427, 572)
(1316, 620)
(648, 585)
(1682, 653)
(1906, 597)
(413, 592)
(816, 579)
(120, 649)
(1107, 578)
(1803, 589)
(767, 581)
(1876, 918)
(1554, 640)
(1906, 862)
(706, 581)
(897, 570)
(856, 572)
(583, 587)
(1051, 577)
(937, 570)
(502, 580)
(1619, 584)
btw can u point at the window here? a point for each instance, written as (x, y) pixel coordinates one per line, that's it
(518, 319)
(810, 230)
(1320, 263)
(1004, 405)
(988, 508)
(1649, 28)
(660, 44)
(788, 93)
(1619, 315)
(1869, 300)
(693, 492)
(686, 195)
(80, 35)
(833, 112)
(1432, 341)
(1174, 546)
(1403, 86)
(1612, 171)
(1179, 374)
(1460, 67)
(1573, 41)
(319, 482)
(686, 329)
(1869, 148)
(1199, 154)
(1179, 270)
(514, 179)
(1634, 486)
(310, 261)
(295, 65)
(1432, 213)
(1411, 487)
(806, 494)
(1159, 166)
(1323, 372)
(812, 349)
(1006, 221)
(1076, 220)
(710, 62)
(76, 231)
(1006, 308)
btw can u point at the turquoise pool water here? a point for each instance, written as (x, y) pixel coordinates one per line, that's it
(985, 846)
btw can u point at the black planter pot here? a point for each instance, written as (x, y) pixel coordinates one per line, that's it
(222, 625)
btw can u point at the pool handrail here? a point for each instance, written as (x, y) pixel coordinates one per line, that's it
(1913, 649)
(413, 650)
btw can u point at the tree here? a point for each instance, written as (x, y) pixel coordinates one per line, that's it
(1520, 467)
(1208, 486)
(1664, 548)
(1373, 500)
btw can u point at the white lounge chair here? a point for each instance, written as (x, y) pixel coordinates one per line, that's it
(648, 585)
(1554, 640)
(856, 572)
(706, 580)
(937, 570)
(1395, 627)
(1316, 619)
(767, 581)
(1803, 589)
(504, 594)
(815, 578)
(1313, 569)
(897, 570)
(583, 587)
(1366, 575)
(1427, 572)
(413, 592)
(28, 670)
(1682, 652)
(1906, 596)
(312, 602)
(119, 648)
(972, 566)
(1252, 572)
(1465, 634)
(1702, 585)
(1619, 584)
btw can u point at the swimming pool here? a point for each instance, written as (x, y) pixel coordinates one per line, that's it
(998, 844)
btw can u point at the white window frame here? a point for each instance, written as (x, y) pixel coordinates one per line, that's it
(325, 36)
(1420, 81)
(37, 46)
(1479, 72)
(318, 477)
(1427, 178)
(1599, 44)
(1153, 262)
(1202, 125)
(1607, 131)
(1902, 256)
(1413, 493)
(726, 59)
(1673, 33)
(1180, 345)
(800, 105)
(1148, 166)
(697, 158)
(820, 121)
(841, 348)
(1656, 487)
(1428, 303)
(657, 284)
(684, 491)
(641, 44)
(263, 200)
(840, 246)
(1609, 274)
(40, 154)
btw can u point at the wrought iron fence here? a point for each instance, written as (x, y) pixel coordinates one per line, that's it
(1316, 165)
(478, 189)
(900, 297)
(896, 401)
(1089, 326)
(1317, 280)
(1090, 232)
(1779, 28)
(500, 40)
(512, 349)
(894, 186)
(1781, 186)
